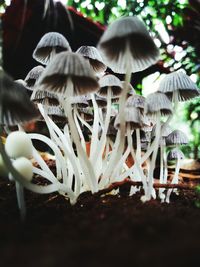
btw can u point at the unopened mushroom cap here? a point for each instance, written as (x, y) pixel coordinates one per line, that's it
(158, 102)
(93, 55)
(175, 154)
(69, 66)
(33, 75)
(49, 42)
(15, 105)
(24, 167)
(181, 83)
(177, 137)
(131, 31)
(112, 82)
(18, 144)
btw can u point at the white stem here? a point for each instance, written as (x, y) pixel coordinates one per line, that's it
(80, 131)
(138, 149)
(101, 146)
(20, 200)
(138, 167)
(84, 161)
(154, 156)
(55, 149)
(174, 180)
(95, 132)
(83, 121)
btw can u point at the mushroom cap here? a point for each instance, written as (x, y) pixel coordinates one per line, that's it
(176, 137)
(101, 101)
(175, 153)
(158, 102)
(136, 101)
(18, 144)
(15, 105)
(80, 101)
(24, 167)
(129, 31)
(94, 57)
(44, 97)
(51, 41)
(180, 82)
(65, 67)
(132, 116)
(112, 82)
(33, 75)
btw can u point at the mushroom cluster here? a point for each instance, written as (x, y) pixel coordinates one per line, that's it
(100, 130)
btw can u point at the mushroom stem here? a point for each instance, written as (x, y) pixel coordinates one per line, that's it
(80, 131)
(82, 120)
(20, 200)
(101, 146)
(161, 168)
(138, 167)
(84, 161)
(94, 139)
(119, 149)
(175, 178)
(138, 150)
(151, 190)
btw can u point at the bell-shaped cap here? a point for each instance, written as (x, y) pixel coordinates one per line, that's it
(94, 57)
(128, 33)
(180, 83)
(80, 101)
(174, 154)
(132, 117)
(158, 102)
(136, 101)
(51, 42)
(15, 105)
(69, 68)
(177, 137)
(33, 76)
(40, 96)
(111, 82)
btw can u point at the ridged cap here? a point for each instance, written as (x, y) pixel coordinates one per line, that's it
(177, 137)
(132, 31)
(69, 66)
(94, 57)
(50, 42)
(15, 105)
(158, 102)
(112, 82)
(180, 82)
(33, 76)
(175, 154)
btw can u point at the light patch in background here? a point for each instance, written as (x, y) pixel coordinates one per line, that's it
(122, 3)
(151, 83)
(160, 28)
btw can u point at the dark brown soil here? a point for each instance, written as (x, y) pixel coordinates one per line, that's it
(99, 231)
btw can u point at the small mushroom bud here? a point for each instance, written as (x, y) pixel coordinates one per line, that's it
(24, 167)
(18, 144)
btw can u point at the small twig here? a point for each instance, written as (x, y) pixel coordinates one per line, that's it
(156, 185)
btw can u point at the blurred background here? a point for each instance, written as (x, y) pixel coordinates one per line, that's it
(174, 25)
